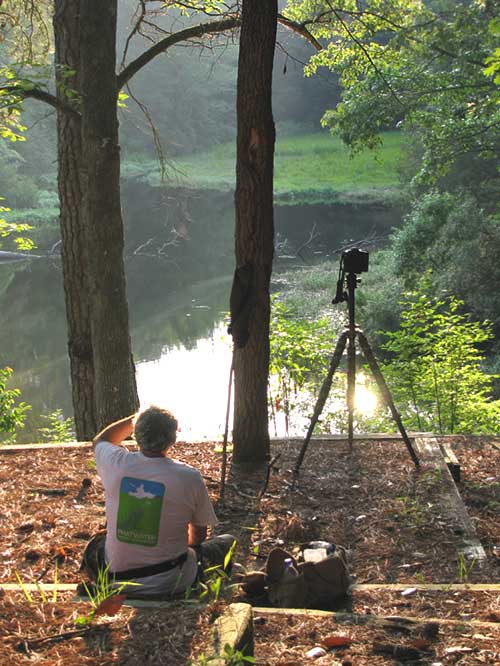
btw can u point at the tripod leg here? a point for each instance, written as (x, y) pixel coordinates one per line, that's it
(351, 386)
(386, 394)
(323, 395)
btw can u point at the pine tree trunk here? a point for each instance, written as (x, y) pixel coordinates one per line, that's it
(254, 244)
(115, 387)
(74, 263)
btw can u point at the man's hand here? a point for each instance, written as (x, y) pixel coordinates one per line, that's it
(116, 432)
(196, 534)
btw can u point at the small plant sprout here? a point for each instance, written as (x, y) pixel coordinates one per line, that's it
(41, 591)
(210, 588)
(465, 567)
(229, 657)
(99, 594)
(24, 588)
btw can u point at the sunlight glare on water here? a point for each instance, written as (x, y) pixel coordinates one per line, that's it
(193, 384)
(364, 398)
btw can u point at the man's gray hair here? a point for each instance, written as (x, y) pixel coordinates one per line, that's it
(155, 429)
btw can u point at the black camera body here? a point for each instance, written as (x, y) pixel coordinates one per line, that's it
(355, 260)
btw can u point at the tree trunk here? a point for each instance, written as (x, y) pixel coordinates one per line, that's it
(254, 244)
(115, 387)
(74, 263)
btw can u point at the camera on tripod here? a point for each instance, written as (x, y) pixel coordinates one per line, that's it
(352, 261)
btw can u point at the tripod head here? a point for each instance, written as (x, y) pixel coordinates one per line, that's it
(352, 262)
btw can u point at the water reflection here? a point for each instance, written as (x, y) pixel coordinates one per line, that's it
(178, 289)
(193, 383)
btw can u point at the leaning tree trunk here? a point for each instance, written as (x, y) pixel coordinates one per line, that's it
(73, 256)
(254, 225)
(115, 387)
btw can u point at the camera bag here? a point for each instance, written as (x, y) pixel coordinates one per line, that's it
(314, 585)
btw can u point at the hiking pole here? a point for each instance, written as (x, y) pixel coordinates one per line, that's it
(226, 430)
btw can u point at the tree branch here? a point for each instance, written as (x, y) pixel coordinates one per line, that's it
(300, 29)
(212, 27)
(40, 95)
(135, 29)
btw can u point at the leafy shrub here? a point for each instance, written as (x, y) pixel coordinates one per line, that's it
(453, 237)
(12, 412)
(435, 372)
(58, 429)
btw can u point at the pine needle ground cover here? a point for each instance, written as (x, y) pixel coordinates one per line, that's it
(370, 500)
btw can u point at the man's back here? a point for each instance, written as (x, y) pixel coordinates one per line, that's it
(149, 504)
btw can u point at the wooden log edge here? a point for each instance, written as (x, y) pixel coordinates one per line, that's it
(354, 618)
(357, 587)
(431, 455)
(451, 461)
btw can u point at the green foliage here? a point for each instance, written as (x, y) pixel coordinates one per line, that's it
(378, 299)
(26, 29)
(310, 163)
(15, 231)
(58, 429)
(414, 64)
(493, 61)
(435, 369)
(459, 242)
(12, 412)
(299, 354)
(22, 190)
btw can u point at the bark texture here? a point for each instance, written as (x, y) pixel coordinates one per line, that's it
(114, 381)
(254, 242)
(73, 255)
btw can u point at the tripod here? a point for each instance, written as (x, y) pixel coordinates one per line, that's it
(348, 337)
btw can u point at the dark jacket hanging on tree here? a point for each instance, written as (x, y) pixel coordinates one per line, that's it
(242, 304)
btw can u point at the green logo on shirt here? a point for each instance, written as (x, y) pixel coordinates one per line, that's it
(139, 511)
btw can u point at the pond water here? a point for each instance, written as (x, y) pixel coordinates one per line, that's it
(179, 262)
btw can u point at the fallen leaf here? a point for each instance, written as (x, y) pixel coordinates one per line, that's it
(336, 641)
(458, 649)
(111, 605)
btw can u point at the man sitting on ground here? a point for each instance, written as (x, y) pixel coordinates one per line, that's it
(157, 508)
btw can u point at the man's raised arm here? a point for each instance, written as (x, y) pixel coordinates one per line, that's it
(116, 432)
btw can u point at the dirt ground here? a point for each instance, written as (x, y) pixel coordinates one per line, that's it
(370, 500)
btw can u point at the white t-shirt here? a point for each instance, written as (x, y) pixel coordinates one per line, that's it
(149, 504)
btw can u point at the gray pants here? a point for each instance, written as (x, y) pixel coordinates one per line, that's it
(210, 553)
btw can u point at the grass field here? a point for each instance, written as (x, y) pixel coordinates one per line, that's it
(312, 166)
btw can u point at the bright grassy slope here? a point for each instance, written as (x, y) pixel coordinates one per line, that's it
(312, 162)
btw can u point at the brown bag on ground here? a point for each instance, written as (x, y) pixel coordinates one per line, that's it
(326, 580)
(316, 585)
